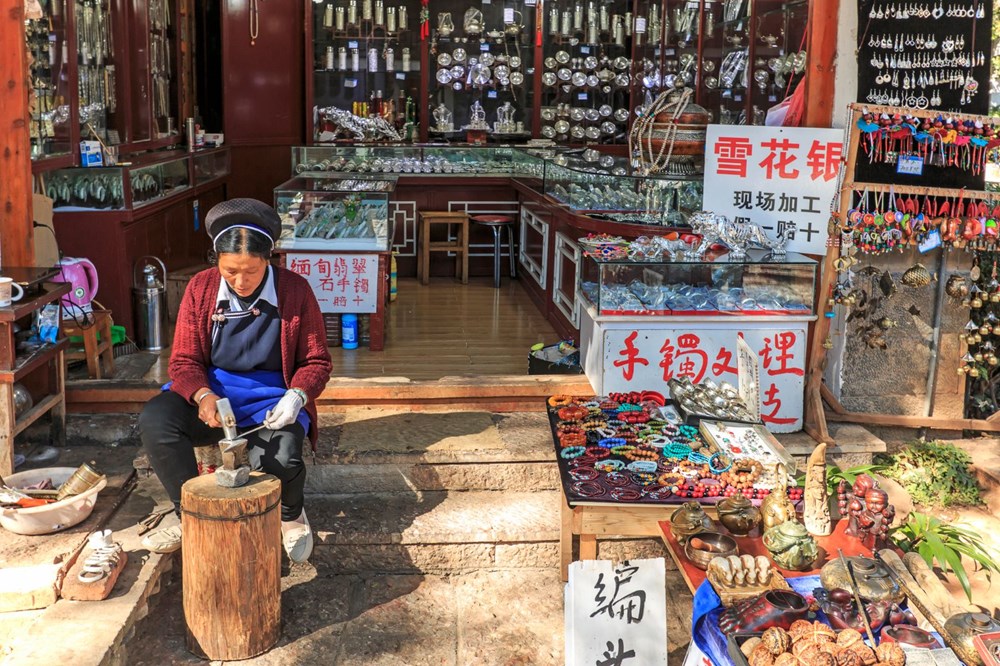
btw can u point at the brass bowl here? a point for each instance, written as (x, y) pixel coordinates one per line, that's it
(710, 545)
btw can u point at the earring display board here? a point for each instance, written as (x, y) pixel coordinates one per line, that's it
(930, 55)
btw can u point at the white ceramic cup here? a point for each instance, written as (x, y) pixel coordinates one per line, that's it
(6, 286)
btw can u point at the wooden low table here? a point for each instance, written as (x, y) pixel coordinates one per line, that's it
(752, 545)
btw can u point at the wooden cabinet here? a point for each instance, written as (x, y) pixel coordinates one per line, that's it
(41, 371)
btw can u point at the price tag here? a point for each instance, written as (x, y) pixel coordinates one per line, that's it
(640, 24)
(669, 52)
(487, 2)
(910, 165)
(931, 241)
(772, 98)
(491, 94)
(529, 3)
(737, 98)
(585, 50)
(352, 45)
(508, 14)
(484, 47)
(582, 97)
(350, 83)
(400, 76)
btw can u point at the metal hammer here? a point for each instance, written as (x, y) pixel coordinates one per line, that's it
(231, 474)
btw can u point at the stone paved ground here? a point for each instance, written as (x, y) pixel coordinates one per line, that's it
(503, 618)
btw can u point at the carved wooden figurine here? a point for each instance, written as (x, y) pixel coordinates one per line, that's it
(816, 514)
(869, 513)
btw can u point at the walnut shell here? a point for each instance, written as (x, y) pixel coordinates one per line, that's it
(849, 658)
(890, 653)
(822, 658)
(866, 653)
(800, 628)
(776, 640)
(749, 645)
(761, 656)
(823, 632)
(802, 645)
(831, 648)
(849, 637)
(787, 659)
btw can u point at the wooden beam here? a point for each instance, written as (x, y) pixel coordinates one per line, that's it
(821, 68)
(831, 399)
(16, 237)
(932, 422)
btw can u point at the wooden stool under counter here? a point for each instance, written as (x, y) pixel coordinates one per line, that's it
(99, 353)
(460, 246)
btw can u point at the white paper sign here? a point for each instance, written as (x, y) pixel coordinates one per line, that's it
(749, 377)
(781, 178)
(341, 282)
(637, 360)
(616, 614)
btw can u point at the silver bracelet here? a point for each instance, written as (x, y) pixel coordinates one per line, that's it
(203, 396)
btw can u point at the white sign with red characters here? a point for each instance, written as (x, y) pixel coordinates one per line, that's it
(341, 282)
(637, 358)
(783, 179)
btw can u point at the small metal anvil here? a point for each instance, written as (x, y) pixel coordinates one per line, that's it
(231, 474)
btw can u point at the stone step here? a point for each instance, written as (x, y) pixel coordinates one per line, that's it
(440, 532)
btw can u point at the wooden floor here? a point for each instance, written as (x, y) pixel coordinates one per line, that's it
(444, 329)
(449, 329)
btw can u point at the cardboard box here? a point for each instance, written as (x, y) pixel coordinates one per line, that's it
(91, 154)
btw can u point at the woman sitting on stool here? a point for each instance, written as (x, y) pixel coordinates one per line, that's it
(254, 334)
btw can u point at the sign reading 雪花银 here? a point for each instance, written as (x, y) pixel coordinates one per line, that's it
(780, 178)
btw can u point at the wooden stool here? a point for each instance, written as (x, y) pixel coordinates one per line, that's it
(498, 223)
(98, 353)
(460, 246)
(231, 566)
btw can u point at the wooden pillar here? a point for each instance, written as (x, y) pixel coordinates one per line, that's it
(821, 69)
(16, 237)
(232, 566)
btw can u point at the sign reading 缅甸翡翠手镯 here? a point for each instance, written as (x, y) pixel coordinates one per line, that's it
(616, 614)
(783, 179)
(748, 377)
(341, 282)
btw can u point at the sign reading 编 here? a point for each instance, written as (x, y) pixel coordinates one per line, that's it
(780, 178)
(616, 614)
(341, 282)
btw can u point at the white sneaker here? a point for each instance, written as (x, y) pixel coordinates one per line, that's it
(298, 539)
(166, 540)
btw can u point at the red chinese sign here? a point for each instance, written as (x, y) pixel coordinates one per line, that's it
(341, 282)
(647, 359)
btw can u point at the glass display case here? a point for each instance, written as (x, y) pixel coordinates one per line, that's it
(405, 160)
(335, 213)
(607, 188)
(210, 164)
(366, 60)
(760, 284)
(119, 187)
(46, 35)
(96, 73)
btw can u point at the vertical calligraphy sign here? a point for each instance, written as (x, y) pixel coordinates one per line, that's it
(341, 282)
(646, 359)
(781, 178)
(616, 614)
(749, 376)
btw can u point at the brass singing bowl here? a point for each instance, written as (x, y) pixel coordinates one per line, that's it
(703, 547)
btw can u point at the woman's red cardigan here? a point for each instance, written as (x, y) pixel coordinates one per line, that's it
(305, 359)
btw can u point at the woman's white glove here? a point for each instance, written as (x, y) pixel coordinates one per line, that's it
(286, 411)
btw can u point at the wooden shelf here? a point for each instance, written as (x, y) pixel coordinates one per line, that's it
(36, 412)
(36, 359)
(51, 291)
(919, 190)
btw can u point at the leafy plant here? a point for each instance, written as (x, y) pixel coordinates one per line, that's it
(933, 473)
(834, 475)
(945, 543)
